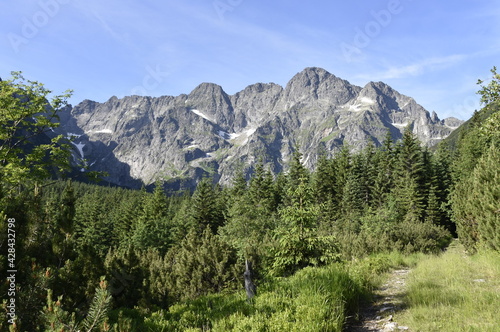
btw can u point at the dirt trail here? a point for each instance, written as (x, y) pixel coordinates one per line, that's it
(378, 315)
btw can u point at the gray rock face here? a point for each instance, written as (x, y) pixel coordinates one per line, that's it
(178, 139)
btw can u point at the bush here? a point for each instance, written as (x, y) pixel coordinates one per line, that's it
(200, 265)
(314, 299)
(381, 233)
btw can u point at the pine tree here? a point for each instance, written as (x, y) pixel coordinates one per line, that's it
(99, 308)
(58, 319)
(67, 209)
(125, 219)
(239, 185)
(206, 209)
(182, 222)
(155, 281)
(126, 273)
(152, 228)
(384, 179)
(409, 183)
(324, 180)
(342, 167)
(353, 196)
(251, 218)
(297, 172)
(297, 242)
(200, 265)
(93, 228)
(369, 169)
(432, 212)
(260, 189)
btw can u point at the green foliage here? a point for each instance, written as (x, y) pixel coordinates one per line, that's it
(25, 114)
(314, 299)
(206, 207)
(297, 172)
(478, 219)
(297, 242)
(324, 180)
(152, 226)
(99, 308)
(475, 172)
(126, 274)
(490, 92)
(58, 319)
(200, 265)
(409, 182)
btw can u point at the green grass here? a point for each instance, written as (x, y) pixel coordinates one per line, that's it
(454, 292)
(313, 299)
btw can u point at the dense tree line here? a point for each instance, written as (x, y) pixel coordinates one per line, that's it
(83, 249)
(476, 196)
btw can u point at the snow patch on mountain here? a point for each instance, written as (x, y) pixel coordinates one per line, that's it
(203, 115)
(80, 147)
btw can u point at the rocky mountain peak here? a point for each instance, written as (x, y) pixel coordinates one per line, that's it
(205, 89)
(180, 139)
(212, 101)
(317, 86)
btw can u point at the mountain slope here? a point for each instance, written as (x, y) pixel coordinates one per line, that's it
(178, 139)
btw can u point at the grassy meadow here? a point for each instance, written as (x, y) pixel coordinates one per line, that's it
(454, 292)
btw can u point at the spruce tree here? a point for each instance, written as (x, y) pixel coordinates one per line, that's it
(297, 172)
(409, 183)
(239, 185)
(251, 218)
(297, 242)
(260, 189)
(384, 179)
(152, 229)
(324, 180)
(341, 166)
(206, 210)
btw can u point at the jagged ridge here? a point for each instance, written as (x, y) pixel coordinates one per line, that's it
(179, 139)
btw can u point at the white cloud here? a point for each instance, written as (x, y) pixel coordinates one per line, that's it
(421, 67)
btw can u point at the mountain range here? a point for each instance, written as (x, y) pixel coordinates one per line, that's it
(138, 140)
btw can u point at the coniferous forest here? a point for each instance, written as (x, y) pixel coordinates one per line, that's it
(90, 257)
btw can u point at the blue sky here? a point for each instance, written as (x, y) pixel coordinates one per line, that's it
(433, 51)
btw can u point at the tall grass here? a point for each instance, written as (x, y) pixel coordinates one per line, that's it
(454, 292)
(313, 299)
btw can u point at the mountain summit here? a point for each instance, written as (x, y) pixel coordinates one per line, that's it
(138, 140)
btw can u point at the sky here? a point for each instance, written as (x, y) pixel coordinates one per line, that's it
(433, 51)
